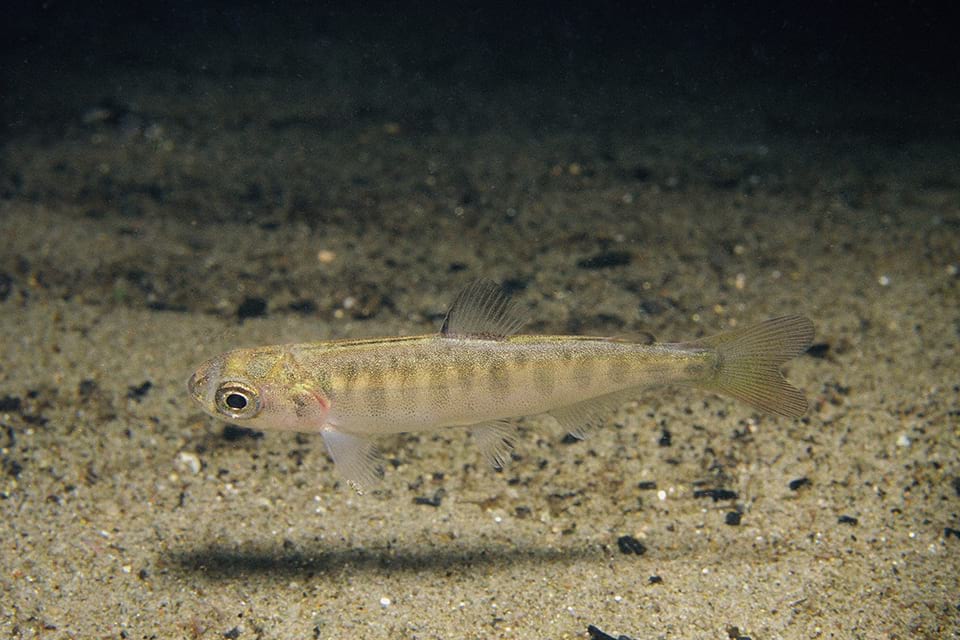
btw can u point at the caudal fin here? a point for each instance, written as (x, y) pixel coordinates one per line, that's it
(748, 366)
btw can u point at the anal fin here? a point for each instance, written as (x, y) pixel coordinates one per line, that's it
(496, 440)
(581, 418)
(356, 459)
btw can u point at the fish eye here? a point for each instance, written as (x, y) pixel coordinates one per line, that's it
(238, 400)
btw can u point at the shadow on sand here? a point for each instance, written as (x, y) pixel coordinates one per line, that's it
(220, 562)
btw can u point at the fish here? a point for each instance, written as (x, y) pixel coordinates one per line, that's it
(480, 372)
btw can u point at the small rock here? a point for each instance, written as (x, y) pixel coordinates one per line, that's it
(629, 544)
(86, 388)
(733, 518)
(251, 308)
(303, 305)
(598, 634)
(6, 286)
(666, 439)
(433, 501)
(187, 461)
(606, 260)
(652, 306)
(818, 350)
(13, 467)
(138, 392)
(715, 494)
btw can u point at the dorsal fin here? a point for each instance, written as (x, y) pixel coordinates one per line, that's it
(635, 337)
(482, 310)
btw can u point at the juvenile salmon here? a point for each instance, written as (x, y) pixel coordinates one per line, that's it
(477, 371)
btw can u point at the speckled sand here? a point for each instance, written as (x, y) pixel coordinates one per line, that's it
(357, 205)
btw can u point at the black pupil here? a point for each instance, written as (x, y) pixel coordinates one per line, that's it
(236, 401)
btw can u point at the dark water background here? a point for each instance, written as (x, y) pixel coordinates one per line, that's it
(374, 120)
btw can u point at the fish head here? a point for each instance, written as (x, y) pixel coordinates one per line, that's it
(261, 389)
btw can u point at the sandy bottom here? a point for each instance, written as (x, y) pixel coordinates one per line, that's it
(189, 214)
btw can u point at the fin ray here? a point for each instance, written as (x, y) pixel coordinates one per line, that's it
(496, 439)
(355, 458)
(482, 310)
(581, 418)
(748, 366)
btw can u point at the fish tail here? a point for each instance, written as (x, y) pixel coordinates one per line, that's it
(749, 360)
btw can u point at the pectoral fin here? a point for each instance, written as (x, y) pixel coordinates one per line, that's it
(355, 458)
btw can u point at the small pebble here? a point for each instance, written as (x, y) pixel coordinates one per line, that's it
(139, 391)
(847, 520)
(629, 544)
(606, 260)
(716, 494)
(251, 308)
(797, 484)
(733, 518)
(733, 633)
(666, 439)
(10, 403)
(431, 501)
(597, 634)
(6, 286)
(187, 461)
(385, 602)
(818, 350)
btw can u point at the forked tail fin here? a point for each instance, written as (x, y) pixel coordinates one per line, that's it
(748, 366)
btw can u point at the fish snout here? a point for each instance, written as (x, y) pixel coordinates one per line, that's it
(198, 383)
(193, 384)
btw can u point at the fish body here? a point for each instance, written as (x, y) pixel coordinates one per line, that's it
(478, 372)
